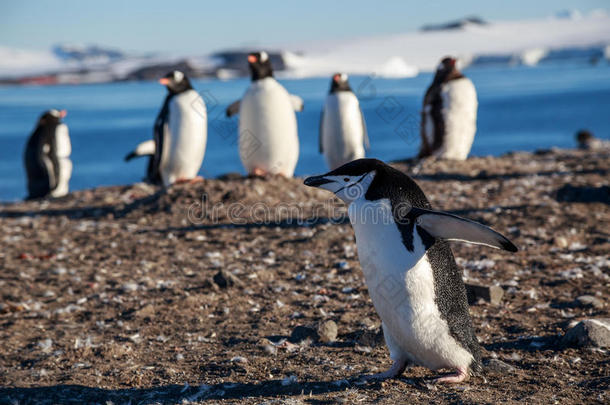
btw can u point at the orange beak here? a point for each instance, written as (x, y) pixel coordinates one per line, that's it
(63, 113)
(251, 58)
(164, 81)
(336, 78)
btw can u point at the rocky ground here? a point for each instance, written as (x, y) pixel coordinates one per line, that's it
(230, 291)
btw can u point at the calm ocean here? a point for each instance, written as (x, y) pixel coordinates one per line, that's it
(519, 109)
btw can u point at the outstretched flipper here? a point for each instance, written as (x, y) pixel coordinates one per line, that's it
(446, 226)
(146, 148)
(297, 102)
(233, 108)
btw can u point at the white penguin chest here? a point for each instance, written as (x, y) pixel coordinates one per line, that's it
(268, 137)
(266, 109)
(401, 286)
(342, 120)
(185, 137)
(459, 116)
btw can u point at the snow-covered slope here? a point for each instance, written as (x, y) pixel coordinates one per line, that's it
(527, 41)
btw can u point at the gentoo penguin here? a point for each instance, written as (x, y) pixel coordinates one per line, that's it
(587, 141)
(180, 134)
(449, 115)
(409, 268)
(342, 126)
(268, 140)
(47, 157)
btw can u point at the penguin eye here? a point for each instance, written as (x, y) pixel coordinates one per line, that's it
(346, 179)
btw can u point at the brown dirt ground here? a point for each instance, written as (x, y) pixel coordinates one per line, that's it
(109, 294)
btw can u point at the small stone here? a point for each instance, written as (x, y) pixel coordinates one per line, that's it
(302, 333)
(588, 333)
(46, 345)
(129, 287)
(492, 294)
(498, 366)
(342, 265)
(561, 242)
(146, 311)
(239, 359)
(588, 301)
(224, 279)
(267, 346)
(369, 337)
(328, 331)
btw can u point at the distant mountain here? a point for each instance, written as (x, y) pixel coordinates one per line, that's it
(91, 53)
(569, 37)
(454, 25)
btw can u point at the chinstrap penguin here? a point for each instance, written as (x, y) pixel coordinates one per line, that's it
(180, 134)
(47, 157)
(268, 140)
(449, 114)
(409, 268)
(343, 135)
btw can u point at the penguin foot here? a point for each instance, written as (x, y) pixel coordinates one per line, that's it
(190, 181)
(259, 172)
(459, 376)
(397, 368)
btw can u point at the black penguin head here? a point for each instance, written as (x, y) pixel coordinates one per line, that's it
(447, 70)
(350, 181)
(52, 116)
(339, 83)
(176, 82)
(584, 137)
(260, 65)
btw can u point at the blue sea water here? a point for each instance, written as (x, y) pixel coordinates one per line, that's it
(520, 108)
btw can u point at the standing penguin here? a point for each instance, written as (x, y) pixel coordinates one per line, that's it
(268, 140)
(449, 116)
(409, 268)
(47, 157)
(180, 134)
(342, 126)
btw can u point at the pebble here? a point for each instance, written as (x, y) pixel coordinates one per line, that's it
(224, 279)
(561, 242)
(342, 265)
(46, 345)
(129, 287)
(588, 333)
(146, 311)
(302, 333)
(239, 359)
(492, 294)
(587, 301)
(327, 331)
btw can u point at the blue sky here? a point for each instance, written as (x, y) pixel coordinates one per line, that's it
(200, 26)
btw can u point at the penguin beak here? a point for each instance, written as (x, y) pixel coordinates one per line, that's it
(63, 113)
(251, 58)
(316, 181)
(164, 81)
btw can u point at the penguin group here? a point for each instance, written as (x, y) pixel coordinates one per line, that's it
(413, 280)
(267, 130)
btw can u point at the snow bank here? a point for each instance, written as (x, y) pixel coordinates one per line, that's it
(526, 41)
